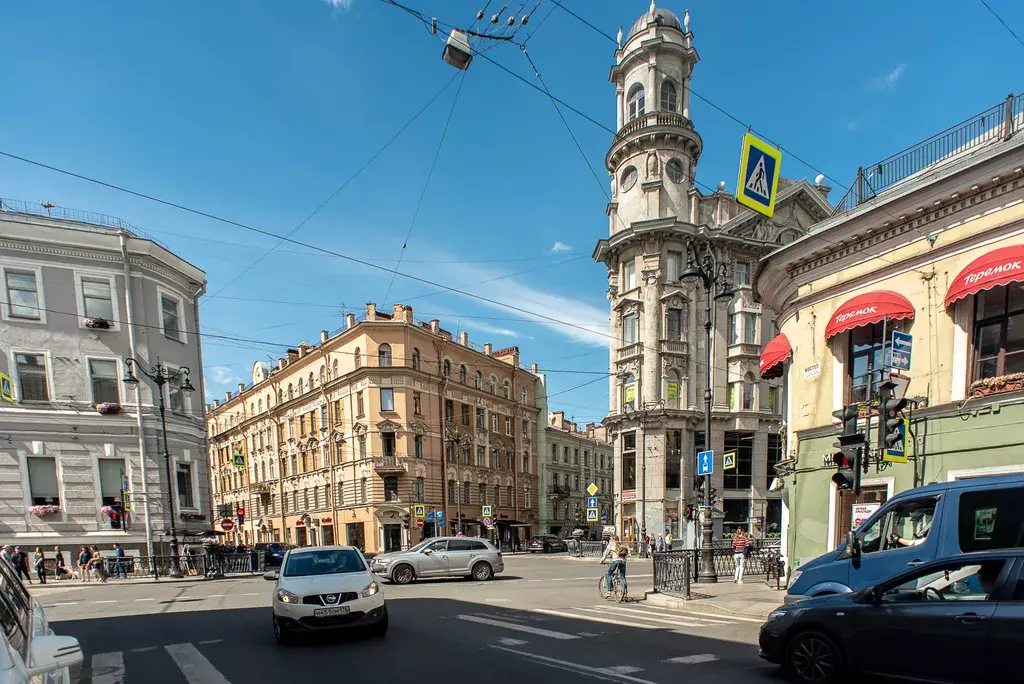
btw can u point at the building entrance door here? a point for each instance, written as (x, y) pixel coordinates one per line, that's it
(392, 538)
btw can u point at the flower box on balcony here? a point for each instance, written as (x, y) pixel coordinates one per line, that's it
(108, 511)
(97, 323)
(108, 407)
(44, 510)
(997, 385)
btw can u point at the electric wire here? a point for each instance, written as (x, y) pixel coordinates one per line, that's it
(1000, 20)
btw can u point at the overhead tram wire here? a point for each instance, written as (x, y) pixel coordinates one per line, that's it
(426, 184)
(340, 188)
(1000, 20)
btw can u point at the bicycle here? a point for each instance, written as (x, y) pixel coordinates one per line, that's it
(618, 592)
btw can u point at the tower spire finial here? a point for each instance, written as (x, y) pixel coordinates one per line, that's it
(618, 37)
(652, 6)
(686, 21)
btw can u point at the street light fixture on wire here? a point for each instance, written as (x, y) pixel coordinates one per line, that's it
(159, 376)
(714, 277)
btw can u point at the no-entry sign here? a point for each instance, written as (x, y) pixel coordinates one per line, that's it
(227, 524)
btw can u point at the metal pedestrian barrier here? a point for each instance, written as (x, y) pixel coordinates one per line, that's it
(672, 572)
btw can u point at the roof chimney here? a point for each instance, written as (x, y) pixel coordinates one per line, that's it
(281, 363)
(371, 311)
(407, 315)
(292, 354)
(435, 326)
(534, 369)
(302, 349)
(398, 310)
(350, 321)
(324, 336)
(241, 387)
(487, 349)
(216, 403)
(228, 395)
(464, 338)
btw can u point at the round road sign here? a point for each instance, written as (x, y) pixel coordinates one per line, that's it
(487, 522)
(419, 522)
(227, 524)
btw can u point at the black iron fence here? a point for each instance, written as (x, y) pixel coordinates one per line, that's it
(673, 572)
(762, 559)
(136, 567)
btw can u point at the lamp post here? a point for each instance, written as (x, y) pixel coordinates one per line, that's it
(160, 377)
(453, 437)
(716, 284)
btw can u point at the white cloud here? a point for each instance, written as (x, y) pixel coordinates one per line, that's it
(889, 81)
(560, 246)
(222, 375)
(340, 4)
(492, 329)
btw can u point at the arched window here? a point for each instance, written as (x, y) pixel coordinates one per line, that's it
(358, 357)
(384, 355)
(669, 101)
(291, 390)
(447, 368)
(505, 389)
(673, 390)
(280, 396)
(636, 101)
(259, 405)
(674, 170)
(629, 391)
(310, 381)
(334, 369)
(415, 358)
(301, 390)
(522, 395)
(479, 380)
(323, 375)
(252, 409)
(462, 374)
(748, 392)
(494, 385)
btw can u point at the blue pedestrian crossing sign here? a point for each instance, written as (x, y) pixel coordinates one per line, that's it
(758, 183)
(591, 502)
(705, 462)
(897, 451)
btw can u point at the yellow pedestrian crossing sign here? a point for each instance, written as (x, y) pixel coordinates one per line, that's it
(758, 183)
(729, 460)
(486, 511)
(6, 388)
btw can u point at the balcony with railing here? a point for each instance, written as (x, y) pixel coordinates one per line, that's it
(994, 125)
(629, 351)
(559, 490)
(390, 464)
(675, 347)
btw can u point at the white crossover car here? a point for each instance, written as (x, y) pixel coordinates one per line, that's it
(325, 588)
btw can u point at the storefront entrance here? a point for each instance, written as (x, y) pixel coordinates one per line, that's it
(392, 538)
(356, 535)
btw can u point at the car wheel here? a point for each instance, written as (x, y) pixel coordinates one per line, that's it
(482, 572)
(812, 657)
(403, 574)
(381, 628)
(281, 634)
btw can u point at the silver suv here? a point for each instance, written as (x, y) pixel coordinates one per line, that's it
(441, 557)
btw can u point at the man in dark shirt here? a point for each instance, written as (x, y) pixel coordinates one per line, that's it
(19, 559)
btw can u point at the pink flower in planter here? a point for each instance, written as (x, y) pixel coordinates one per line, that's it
(108, 407)
(44, 509)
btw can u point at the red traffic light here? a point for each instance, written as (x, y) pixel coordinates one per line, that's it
(240, 511)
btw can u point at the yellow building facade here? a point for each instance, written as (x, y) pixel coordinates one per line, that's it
(342, 442)
(937, 254)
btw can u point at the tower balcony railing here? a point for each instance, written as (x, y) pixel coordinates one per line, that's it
(628, 351)
(652, 119)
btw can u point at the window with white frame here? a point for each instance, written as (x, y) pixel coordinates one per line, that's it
(749, 328)
(104, 381)
(176, 396)
(628, 329)
(111, 473)
(23, 296)
(33, 382)
(387, 399)
(184, 475)
(742, 273)
(673, 267)
(628, 275)
(42, 481)
(97, 298)
(171, 316)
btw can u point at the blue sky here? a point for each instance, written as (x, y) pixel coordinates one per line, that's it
(258, 110)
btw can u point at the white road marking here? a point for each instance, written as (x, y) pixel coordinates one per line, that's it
(254, 593)
(498, 600)
(144, 649)
(627, 620)
(66, 603)
(588, 634)
(104, 601)
(625, 669)
(211, 641)
(145, 599)
(693, 659)
(712, 616)
(507, 641)
(214, 596)
(598, 673)
(517, 628)
(560, 579)
(581, 578)
(194, 665)
(592, 618)
(536, 580)
(659, 617)
(108, 668)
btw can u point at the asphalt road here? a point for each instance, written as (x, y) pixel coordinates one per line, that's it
(541, 619)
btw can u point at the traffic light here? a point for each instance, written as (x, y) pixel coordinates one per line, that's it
(848, 449)
(241, 516)
(889, 419)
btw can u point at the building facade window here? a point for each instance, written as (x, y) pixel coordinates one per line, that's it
(415, 358)
(522, 395)
(359, 404)
(184, 481)
(22, 294)
(865, 361)
(481, 418)
(741, 274)
(97, 298)
(33, 379)
(357, 357)
(673, 390)
(749, 328)
(417, 443)
(465, 493)
(636, 101)
(104, 381)
(774, 456)
(170, 310)
(628, 461)
(748, 392)
(676, 173)
(999, 331)
(669, 98)
(462, 374)
(384, 355)
(674, 325)
(42, 481)
(451, 491)
(629, 390)
(773, 400)
(628, 275)
(391, 488)
(449, 410)
(417, 403)
(419, 487)
(465, 414)
(446, 368)
(740, 477)
(628, 329)
(387, 399)
(479, 380)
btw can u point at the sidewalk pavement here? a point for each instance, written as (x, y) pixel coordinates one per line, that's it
(75, 584)
(752, 599)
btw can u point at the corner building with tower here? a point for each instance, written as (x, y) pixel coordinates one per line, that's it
(658, 224)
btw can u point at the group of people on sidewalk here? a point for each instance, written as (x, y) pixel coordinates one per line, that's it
(90, 564)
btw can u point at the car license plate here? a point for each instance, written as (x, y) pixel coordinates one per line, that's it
(331, 612)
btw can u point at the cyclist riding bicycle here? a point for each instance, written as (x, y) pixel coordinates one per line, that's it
(615, 556)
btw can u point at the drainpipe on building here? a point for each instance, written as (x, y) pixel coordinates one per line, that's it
(441, 383)
(129, 314)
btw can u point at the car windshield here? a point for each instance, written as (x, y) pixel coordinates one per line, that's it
(423, 544)
(325, 562)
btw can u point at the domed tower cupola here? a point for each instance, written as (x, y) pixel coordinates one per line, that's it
(653, 157)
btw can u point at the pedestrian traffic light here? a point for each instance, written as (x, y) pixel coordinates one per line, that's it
(889, 418)
(845, 477)
(848, 448)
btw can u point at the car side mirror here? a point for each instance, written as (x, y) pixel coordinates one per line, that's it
(427, 552)
(272, 575)
(852, 544)
(53, 652)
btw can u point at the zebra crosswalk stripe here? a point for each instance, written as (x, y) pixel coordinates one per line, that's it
(108, 668)
(194, 665)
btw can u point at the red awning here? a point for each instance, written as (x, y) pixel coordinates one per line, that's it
(999, 267)
(773, 354)
(868, 308)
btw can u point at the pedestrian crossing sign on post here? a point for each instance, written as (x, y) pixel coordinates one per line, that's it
(729, 460)
(238, 460)
(591, 515)
(758, 183)
(6, 388)
(897, 451)
(486, 511)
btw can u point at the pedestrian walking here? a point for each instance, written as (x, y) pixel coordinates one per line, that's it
(60, 569)
(40, 564)
(84, 560)
(7, 555)
(119, 563)
(98, 565)
(668, 541)
(659, 545)
(20, 559)
(740, 542)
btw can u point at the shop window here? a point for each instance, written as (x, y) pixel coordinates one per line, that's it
(774, 456)
(736, 516)
(674, 451)
(864, 362)
(628, 461)
(739, 477)
(999, 332)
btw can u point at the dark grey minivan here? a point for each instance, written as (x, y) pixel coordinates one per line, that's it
(917, 526)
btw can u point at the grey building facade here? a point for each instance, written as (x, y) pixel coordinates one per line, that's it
(656, 362)
(570, 461)
(78, 294)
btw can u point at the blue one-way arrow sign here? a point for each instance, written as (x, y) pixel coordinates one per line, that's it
(705, 462)
(902, 345)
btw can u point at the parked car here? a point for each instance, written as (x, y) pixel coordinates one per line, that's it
(273, 552)
(957, 619)
(323, 588)
(547, 543)
(441, 557)
(917, 526)
(31, 651)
